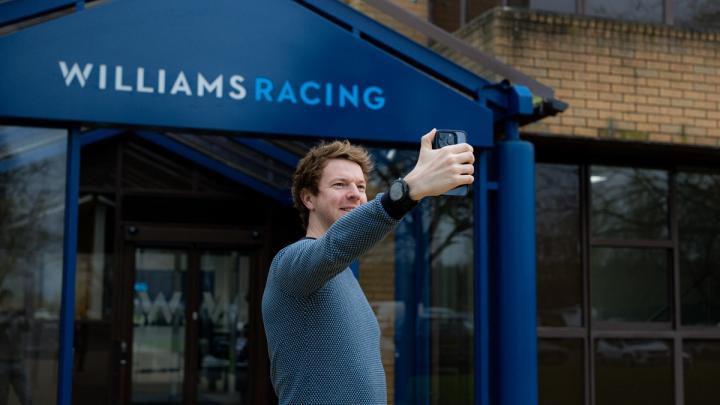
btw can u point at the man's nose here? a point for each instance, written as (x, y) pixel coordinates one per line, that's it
(353, 192)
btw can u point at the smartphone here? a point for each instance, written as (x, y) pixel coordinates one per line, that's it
(445, 137)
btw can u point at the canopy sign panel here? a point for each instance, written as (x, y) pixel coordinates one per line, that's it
(271, 67)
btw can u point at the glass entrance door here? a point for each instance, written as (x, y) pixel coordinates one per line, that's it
(190, 326)
(159, 326)
(223, 336)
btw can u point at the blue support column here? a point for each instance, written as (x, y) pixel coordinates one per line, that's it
(515, 335)
(67, 309)
(422, 307)
(511, 316)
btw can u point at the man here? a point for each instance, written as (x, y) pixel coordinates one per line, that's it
(323, 338)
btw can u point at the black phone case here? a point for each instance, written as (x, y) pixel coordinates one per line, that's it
(445, 137)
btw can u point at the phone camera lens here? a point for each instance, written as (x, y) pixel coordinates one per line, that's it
(444, 139)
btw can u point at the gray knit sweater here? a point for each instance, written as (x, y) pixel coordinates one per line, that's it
(323, 337)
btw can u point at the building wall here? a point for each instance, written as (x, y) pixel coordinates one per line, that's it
(377, 277)
(419, 8)
(622, 80)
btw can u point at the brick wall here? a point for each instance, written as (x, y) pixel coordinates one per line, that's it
(623, 80)
(377, 277)
(419, 8)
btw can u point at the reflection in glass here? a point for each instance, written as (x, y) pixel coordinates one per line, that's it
(697, 14)
(93, 340)
(629, 203)
(635, 10)
(32, 206)
(631, 372)
(224, 326)
(559, 267)
(388, 277)
(630, 285)
(451, 298)
(94, 257)
(698, 202)
(159, 325)
(561, 371)
(419, 282)
(701, 366)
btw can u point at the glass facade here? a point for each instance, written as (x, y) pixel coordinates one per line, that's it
(419, 280)
(633, 371)
(561, 367)
(701, 371)
(698, 219)
(560, 6)
(644, 283)
(699, 14)
(451, 312)
(606, 261)
(159, 325)
(32, 207)
(635, 10)
(630, 285)
(559, 264)
(451, 15)
(627, 271)
(629, 203)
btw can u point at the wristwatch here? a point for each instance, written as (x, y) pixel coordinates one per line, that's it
(400, 193)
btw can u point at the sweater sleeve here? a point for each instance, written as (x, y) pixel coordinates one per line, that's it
(306, 265)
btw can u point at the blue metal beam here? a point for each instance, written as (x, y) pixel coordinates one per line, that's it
(399, 45)
(19, 9)
(67, 308)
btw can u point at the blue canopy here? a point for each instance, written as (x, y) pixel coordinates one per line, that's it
(273, 67)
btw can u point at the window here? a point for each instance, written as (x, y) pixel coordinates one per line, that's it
(627, 274)
(419, 280)
(560, 6)
(32, 207)
(696, 14)
(635, 10)
(701, 14)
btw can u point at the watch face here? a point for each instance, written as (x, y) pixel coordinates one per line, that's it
(396, 191)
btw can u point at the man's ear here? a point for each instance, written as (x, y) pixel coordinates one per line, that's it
(307, 198)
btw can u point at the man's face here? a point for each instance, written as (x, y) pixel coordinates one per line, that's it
(341, 188)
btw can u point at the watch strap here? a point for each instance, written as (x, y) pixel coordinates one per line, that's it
(397, 209)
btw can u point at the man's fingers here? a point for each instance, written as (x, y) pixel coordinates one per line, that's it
(466, 169)
(459, 148)
(464, 157)
(427, 139)
(465, 179)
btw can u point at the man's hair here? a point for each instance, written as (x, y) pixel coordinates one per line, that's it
(309, 169)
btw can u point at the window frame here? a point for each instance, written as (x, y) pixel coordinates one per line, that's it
(591, 331)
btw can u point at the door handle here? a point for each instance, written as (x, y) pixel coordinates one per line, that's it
(123, 352)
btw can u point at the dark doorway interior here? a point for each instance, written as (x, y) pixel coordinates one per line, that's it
(150, 220)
